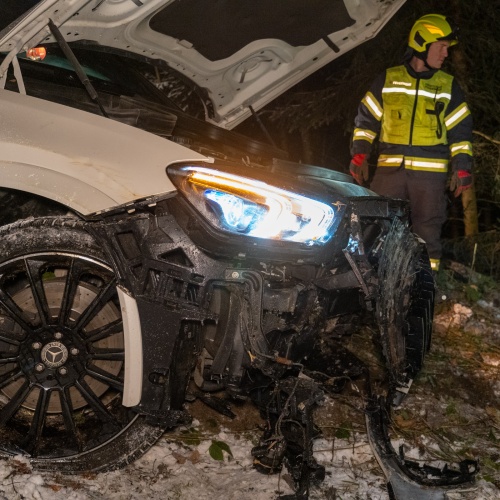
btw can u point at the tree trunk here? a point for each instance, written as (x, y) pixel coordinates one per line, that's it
(469, 201)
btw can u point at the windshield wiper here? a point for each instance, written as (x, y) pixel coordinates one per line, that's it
(80, 72)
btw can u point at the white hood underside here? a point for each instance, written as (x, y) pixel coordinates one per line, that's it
(243, 55)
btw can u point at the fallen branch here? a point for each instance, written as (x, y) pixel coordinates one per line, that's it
(487, 137)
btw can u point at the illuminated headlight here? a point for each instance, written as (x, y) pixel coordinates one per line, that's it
(245, 206)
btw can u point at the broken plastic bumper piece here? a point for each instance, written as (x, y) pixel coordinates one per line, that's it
(406, 479)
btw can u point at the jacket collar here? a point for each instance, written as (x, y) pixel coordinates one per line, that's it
(425, 75)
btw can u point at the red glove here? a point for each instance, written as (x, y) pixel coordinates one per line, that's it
(461, 180)
(358, 168)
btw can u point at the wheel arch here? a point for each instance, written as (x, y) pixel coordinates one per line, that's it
(77, 195)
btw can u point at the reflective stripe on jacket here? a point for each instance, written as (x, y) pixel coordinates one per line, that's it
(421, 119)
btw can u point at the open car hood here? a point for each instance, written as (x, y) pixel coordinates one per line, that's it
(241, 54)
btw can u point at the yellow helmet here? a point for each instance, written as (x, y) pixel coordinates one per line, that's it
(429, 29)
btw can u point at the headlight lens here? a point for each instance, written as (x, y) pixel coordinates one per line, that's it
(250, 207)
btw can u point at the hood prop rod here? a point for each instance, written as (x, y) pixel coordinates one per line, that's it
(80, 72)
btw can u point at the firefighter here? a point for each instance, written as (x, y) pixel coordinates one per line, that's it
(424, 127)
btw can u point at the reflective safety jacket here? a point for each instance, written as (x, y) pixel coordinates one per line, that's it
(421, 119)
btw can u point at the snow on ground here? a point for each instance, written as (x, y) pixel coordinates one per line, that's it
(171, 471)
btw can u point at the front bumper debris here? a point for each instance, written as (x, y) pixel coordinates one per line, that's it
(406, 479)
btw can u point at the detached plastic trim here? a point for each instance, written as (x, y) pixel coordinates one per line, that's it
(132, 333)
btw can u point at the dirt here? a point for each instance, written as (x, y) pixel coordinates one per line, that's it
(453, 406)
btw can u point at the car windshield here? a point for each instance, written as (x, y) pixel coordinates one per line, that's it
(108, 73)
(57, 61)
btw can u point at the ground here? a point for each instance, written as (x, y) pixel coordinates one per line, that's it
(451, 413)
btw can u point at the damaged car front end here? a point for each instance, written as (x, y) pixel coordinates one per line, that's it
(168, 272)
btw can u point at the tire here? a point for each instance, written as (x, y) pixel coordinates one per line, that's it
(62, 352)
(406, 303)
